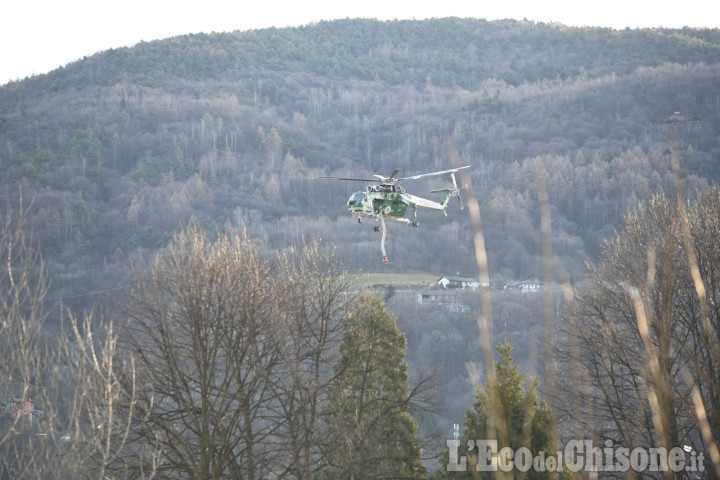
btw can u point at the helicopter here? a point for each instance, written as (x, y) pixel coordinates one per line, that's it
(385, 200)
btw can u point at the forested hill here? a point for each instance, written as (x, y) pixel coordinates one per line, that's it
(120, 148)
(448, 52)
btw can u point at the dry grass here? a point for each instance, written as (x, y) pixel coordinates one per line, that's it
(397, 280)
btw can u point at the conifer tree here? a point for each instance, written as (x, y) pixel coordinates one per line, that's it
(371, 432)
(519, 418)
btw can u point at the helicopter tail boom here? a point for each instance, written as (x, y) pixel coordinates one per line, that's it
(448, 193)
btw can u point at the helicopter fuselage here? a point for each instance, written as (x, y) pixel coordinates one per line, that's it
(389, 201)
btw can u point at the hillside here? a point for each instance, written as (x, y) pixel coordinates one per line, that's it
(227, 129)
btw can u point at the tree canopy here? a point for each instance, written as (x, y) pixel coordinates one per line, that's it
(371, 432)
(509, 412)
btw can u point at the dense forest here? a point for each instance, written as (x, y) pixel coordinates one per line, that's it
(121, 147)
(113, 154)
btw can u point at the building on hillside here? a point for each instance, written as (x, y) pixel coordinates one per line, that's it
(461, 282)
(524, 286)
(436, 296)
(450, 301)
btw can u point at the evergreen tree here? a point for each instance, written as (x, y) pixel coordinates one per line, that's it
(519, 418)
(371, 432)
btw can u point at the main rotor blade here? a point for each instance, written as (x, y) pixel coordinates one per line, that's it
(392, 178)
(415, 177)
(389, 179)
(374, 180)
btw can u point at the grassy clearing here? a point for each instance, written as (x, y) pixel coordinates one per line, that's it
(397, 280)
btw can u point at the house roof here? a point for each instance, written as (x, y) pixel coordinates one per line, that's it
(459, 279)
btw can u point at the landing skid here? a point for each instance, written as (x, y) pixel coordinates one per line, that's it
(412, 224)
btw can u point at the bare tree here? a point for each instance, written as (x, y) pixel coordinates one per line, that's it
(202, 330)
(232, 352)
(315, 298)
(699, 313)
(639, 339)
(23, 285)
(56, 381)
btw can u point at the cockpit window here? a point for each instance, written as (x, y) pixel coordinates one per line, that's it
(357, 198)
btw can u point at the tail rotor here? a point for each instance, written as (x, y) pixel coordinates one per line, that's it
(456, 191)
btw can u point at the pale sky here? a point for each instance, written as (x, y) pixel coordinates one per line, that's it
(37, 36)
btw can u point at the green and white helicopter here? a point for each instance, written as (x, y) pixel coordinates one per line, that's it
(385, 200)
